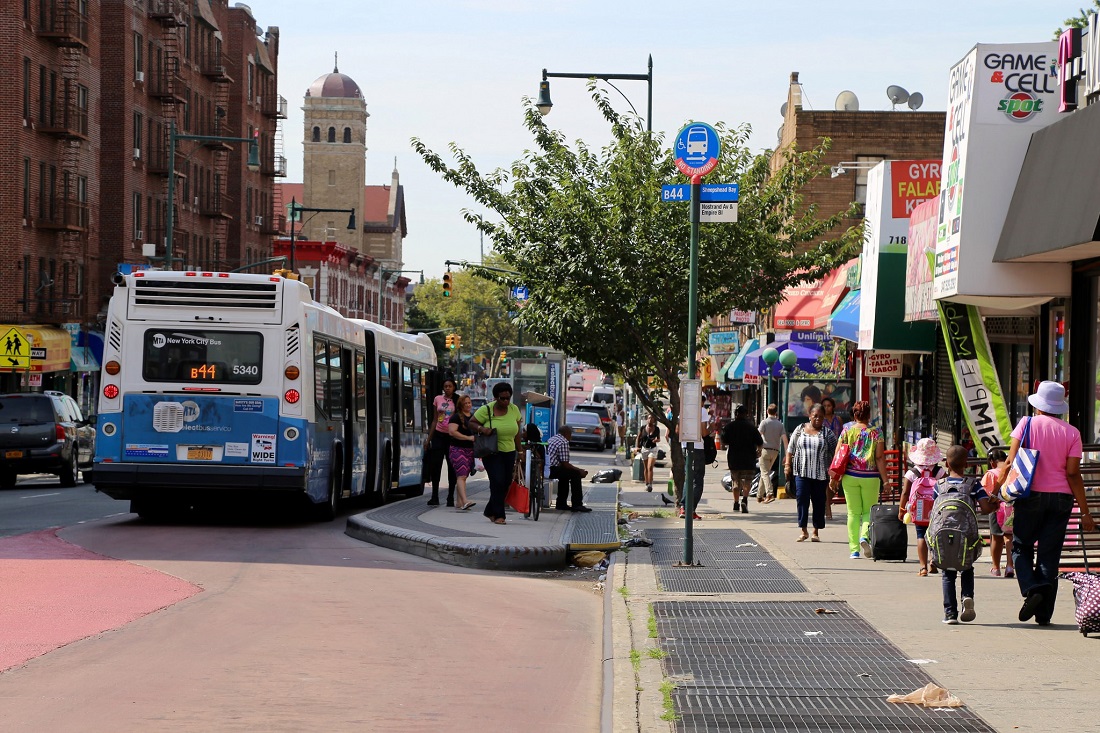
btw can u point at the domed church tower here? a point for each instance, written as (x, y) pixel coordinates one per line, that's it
(335, 164)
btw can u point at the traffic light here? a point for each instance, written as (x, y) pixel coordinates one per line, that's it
(447, 284)
(503, 356)
(458, 341)
(451, 341)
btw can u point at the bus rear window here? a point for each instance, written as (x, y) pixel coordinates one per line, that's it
(202, 357)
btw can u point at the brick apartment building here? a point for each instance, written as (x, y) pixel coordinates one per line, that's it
(84, 157)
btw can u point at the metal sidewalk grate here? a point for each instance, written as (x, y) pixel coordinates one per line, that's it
(600, 526)
(731, 563)
(780, 666)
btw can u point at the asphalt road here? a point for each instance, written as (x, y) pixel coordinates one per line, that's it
(39, 502)
(238, 623)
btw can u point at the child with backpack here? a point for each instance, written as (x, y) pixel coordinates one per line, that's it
(952, 534)
(919, 492)
(1000, 521)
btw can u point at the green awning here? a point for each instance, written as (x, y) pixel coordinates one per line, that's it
(734, 368)
(83, 360)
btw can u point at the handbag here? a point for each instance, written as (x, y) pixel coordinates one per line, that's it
(1017, 483)
(840, 460)
(486, 445)
(518, 497)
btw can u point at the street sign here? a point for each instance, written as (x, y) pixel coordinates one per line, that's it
(721, 212)
(697, 149)
(708, 192)
(15, 350)
(520, 292)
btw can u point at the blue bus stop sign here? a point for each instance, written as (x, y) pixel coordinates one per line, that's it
(697, 149)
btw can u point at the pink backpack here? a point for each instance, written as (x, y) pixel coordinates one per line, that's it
(921, 498)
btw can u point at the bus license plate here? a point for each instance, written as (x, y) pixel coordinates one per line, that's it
(13, 454)
(200, 454)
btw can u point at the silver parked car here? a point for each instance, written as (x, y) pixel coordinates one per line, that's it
(588, 431)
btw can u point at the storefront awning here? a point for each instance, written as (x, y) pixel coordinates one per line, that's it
(83, 360)
(807, 357)
(1055, 211)
(844, 322)
(807, 307)
(734, 368)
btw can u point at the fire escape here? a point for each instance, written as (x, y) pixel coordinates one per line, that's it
(165, 83)
(63, 208)
(215, 203)
(277, 169)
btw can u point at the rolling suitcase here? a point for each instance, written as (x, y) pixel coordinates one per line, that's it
(889, 538)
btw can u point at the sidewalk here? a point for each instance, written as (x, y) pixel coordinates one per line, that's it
(469, 539)
(744, 660)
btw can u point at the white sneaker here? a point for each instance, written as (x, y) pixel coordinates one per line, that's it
(865, 546)
(968, 613)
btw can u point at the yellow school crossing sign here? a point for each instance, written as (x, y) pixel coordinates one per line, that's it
(15, 350)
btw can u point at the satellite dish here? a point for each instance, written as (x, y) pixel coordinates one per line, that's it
(897, 94)
(916, 99)
(783, 110)
(846, 102)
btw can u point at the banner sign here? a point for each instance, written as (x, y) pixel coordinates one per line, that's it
(739, 316)
(725, 342)
(882, 364)
(919, 305)
(975, 375)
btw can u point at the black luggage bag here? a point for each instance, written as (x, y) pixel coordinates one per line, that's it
(888, 536)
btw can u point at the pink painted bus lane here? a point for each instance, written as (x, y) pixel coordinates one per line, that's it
(53, 593)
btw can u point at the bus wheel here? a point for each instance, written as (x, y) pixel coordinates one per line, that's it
(7, 478)
(330, 508)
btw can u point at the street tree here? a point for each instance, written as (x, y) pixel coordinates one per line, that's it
(606, 263)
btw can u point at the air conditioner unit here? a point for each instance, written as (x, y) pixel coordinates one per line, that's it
(137, 153)
(149, 249)
(259, 101)
(139, 76)
(196, 201)
(139, 235)
(258, 221)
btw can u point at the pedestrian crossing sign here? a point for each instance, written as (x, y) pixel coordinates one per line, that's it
(15, 350)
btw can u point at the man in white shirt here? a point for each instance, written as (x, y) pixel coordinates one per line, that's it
(775, 438)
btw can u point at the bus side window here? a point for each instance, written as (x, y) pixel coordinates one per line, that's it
(385, 385)
(335, 382)
(418, 400)
(407, 413)
(360, 386)
(426, 394)
(320, 375)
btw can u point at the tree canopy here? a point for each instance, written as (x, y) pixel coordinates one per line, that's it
(606, 262)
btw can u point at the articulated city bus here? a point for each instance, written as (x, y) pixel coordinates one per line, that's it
(224, 383)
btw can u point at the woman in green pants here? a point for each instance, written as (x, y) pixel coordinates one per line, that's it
(863, 477)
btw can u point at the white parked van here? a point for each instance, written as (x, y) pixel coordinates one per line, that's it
(602, 393)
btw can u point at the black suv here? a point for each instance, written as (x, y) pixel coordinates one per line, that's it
(44, 433)
(607, 419)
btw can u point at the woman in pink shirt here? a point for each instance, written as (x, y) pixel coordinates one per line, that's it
(1043, 515)
(438, 443)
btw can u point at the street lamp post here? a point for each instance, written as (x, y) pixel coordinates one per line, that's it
(296, 210)
(253, 165)
(770, 356)
(788, 359)
(544, 105)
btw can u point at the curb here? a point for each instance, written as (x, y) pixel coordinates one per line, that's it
(479, 556)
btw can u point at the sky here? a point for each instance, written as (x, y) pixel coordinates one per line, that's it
(457, 71)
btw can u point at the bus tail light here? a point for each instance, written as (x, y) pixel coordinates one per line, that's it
(292, 396)
(110, 391)
(112, 367)
(291, 372)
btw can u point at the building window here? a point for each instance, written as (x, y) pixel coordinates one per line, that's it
(251, 80)
(41, 95)
(139, 56)
(138, 233)
(248, 204)
(26, 89)
(332, 134)
(332, 178)
(864, 165)
(316, 134)
(139, 127)
(26, 188)
(347, 134)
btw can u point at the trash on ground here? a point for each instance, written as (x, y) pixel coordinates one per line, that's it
(623, 520)
(930, 696)
(864, 674)
(637, 542)
(761, 564)
(623, 503)
(922, 661)
(829, 610)
(812, 633)
(606, 476)
(588, 558)
(747, 544)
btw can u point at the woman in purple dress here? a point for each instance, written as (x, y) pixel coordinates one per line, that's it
(461, 455)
